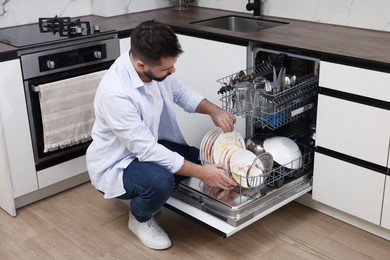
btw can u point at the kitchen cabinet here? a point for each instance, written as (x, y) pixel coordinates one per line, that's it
(124, 44)
(363, 82)
(352, 139)
(354, 129)
(6, 196)
(348, 187)
(21, 184)
(16, 129)
(386, 205)
(202, 63)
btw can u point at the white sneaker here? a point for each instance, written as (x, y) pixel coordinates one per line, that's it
(150, 233)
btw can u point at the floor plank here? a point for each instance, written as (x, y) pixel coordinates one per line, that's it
(80, 224)
(362, 241)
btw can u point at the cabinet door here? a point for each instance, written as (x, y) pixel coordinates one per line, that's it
(358, 81)
(201, 64)
(386, 205)
(17, 138)
(6, 196)
(353, 129)
(349, 188)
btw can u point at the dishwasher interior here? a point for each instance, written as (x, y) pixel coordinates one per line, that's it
(277, 96)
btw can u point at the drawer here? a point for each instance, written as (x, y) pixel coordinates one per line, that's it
(358, 81)
(353, 129)
(349, 188)
(56, 173)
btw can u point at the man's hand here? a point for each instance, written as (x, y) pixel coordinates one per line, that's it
(221, 118)
(211, 174)
(215, 176)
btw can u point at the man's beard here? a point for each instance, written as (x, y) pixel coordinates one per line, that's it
(150, 75)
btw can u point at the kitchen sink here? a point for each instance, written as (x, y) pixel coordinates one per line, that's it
(239, 23)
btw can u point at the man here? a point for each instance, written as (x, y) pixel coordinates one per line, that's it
(138, 150)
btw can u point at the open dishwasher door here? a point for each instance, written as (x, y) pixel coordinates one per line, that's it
(283, 96)
(227, 212)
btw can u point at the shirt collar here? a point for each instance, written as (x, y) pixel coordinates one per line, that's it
(134, 77)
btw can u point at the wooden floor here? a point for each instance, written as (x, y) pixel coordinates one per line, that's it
(80, 224)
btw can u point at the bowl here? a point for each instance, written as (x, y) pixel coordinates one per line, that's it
(255, 144)
(284, 151)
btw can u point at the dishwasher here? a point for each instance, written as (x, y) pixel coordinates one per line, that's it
(277, 94)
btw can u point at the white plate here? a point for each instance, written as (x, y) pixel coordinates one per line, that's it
(202, 148)
(227, 155)
(224, 141)
(210, 145)
(240, 163)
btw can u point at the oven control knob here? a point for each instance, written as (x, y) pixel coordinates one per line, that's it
(50, 64)
(97, 54)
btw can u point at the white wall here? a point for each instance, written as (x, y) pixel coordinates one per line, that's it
(118, 7)
(17, 12)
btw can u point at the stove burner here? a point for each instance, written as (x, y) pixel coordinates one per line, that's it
(50, 30)
(64, 26)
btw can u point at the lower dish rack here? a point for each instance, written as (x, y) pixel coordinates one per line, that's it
(276, 177)
(242, 204)
(271, 104)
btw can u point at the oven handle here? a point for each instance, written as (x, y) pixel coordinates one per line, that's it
(35, 88)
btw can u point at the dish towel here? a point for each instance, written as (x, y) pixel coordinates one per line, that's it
(67, 110)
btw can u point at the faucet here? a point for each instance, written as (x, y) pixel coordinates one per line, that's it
(255, 6)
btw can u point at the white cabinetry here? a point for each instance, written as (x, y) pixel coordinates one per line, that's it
(21, 184)
(6, 196)
(352, 140)
(358, 130)
(363, 82)
(124, 44)
(201, 64)
(348, 187)
(16, 129)
(386, 205)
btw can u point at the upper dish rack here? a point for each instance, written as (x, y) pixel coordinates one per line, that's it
(271, 104)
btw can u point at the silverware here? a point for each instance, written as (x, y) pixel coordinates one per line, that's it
(277, 79)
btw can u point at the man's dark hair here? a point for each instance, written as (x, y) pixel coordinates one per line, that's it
(151, 40)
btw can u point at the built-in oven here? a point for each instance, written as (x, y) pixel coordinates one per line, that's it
(277, 94)
(60, 82)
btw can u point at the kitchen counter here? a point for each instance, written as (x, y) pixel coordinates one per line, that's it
(330, 42)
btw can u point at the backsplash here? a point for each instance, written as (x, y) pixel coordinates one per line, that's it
(17, 12)
(372, 14)
(369, 14)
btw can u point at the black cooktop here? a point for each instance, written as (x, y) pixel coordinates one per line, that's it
(25, 35)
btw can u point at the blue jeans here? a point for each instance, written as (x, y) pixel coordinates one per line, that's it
(149, 185)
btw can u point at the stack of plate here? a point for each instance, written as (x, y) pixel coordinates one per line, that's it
(229, 149)
(216, 144)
